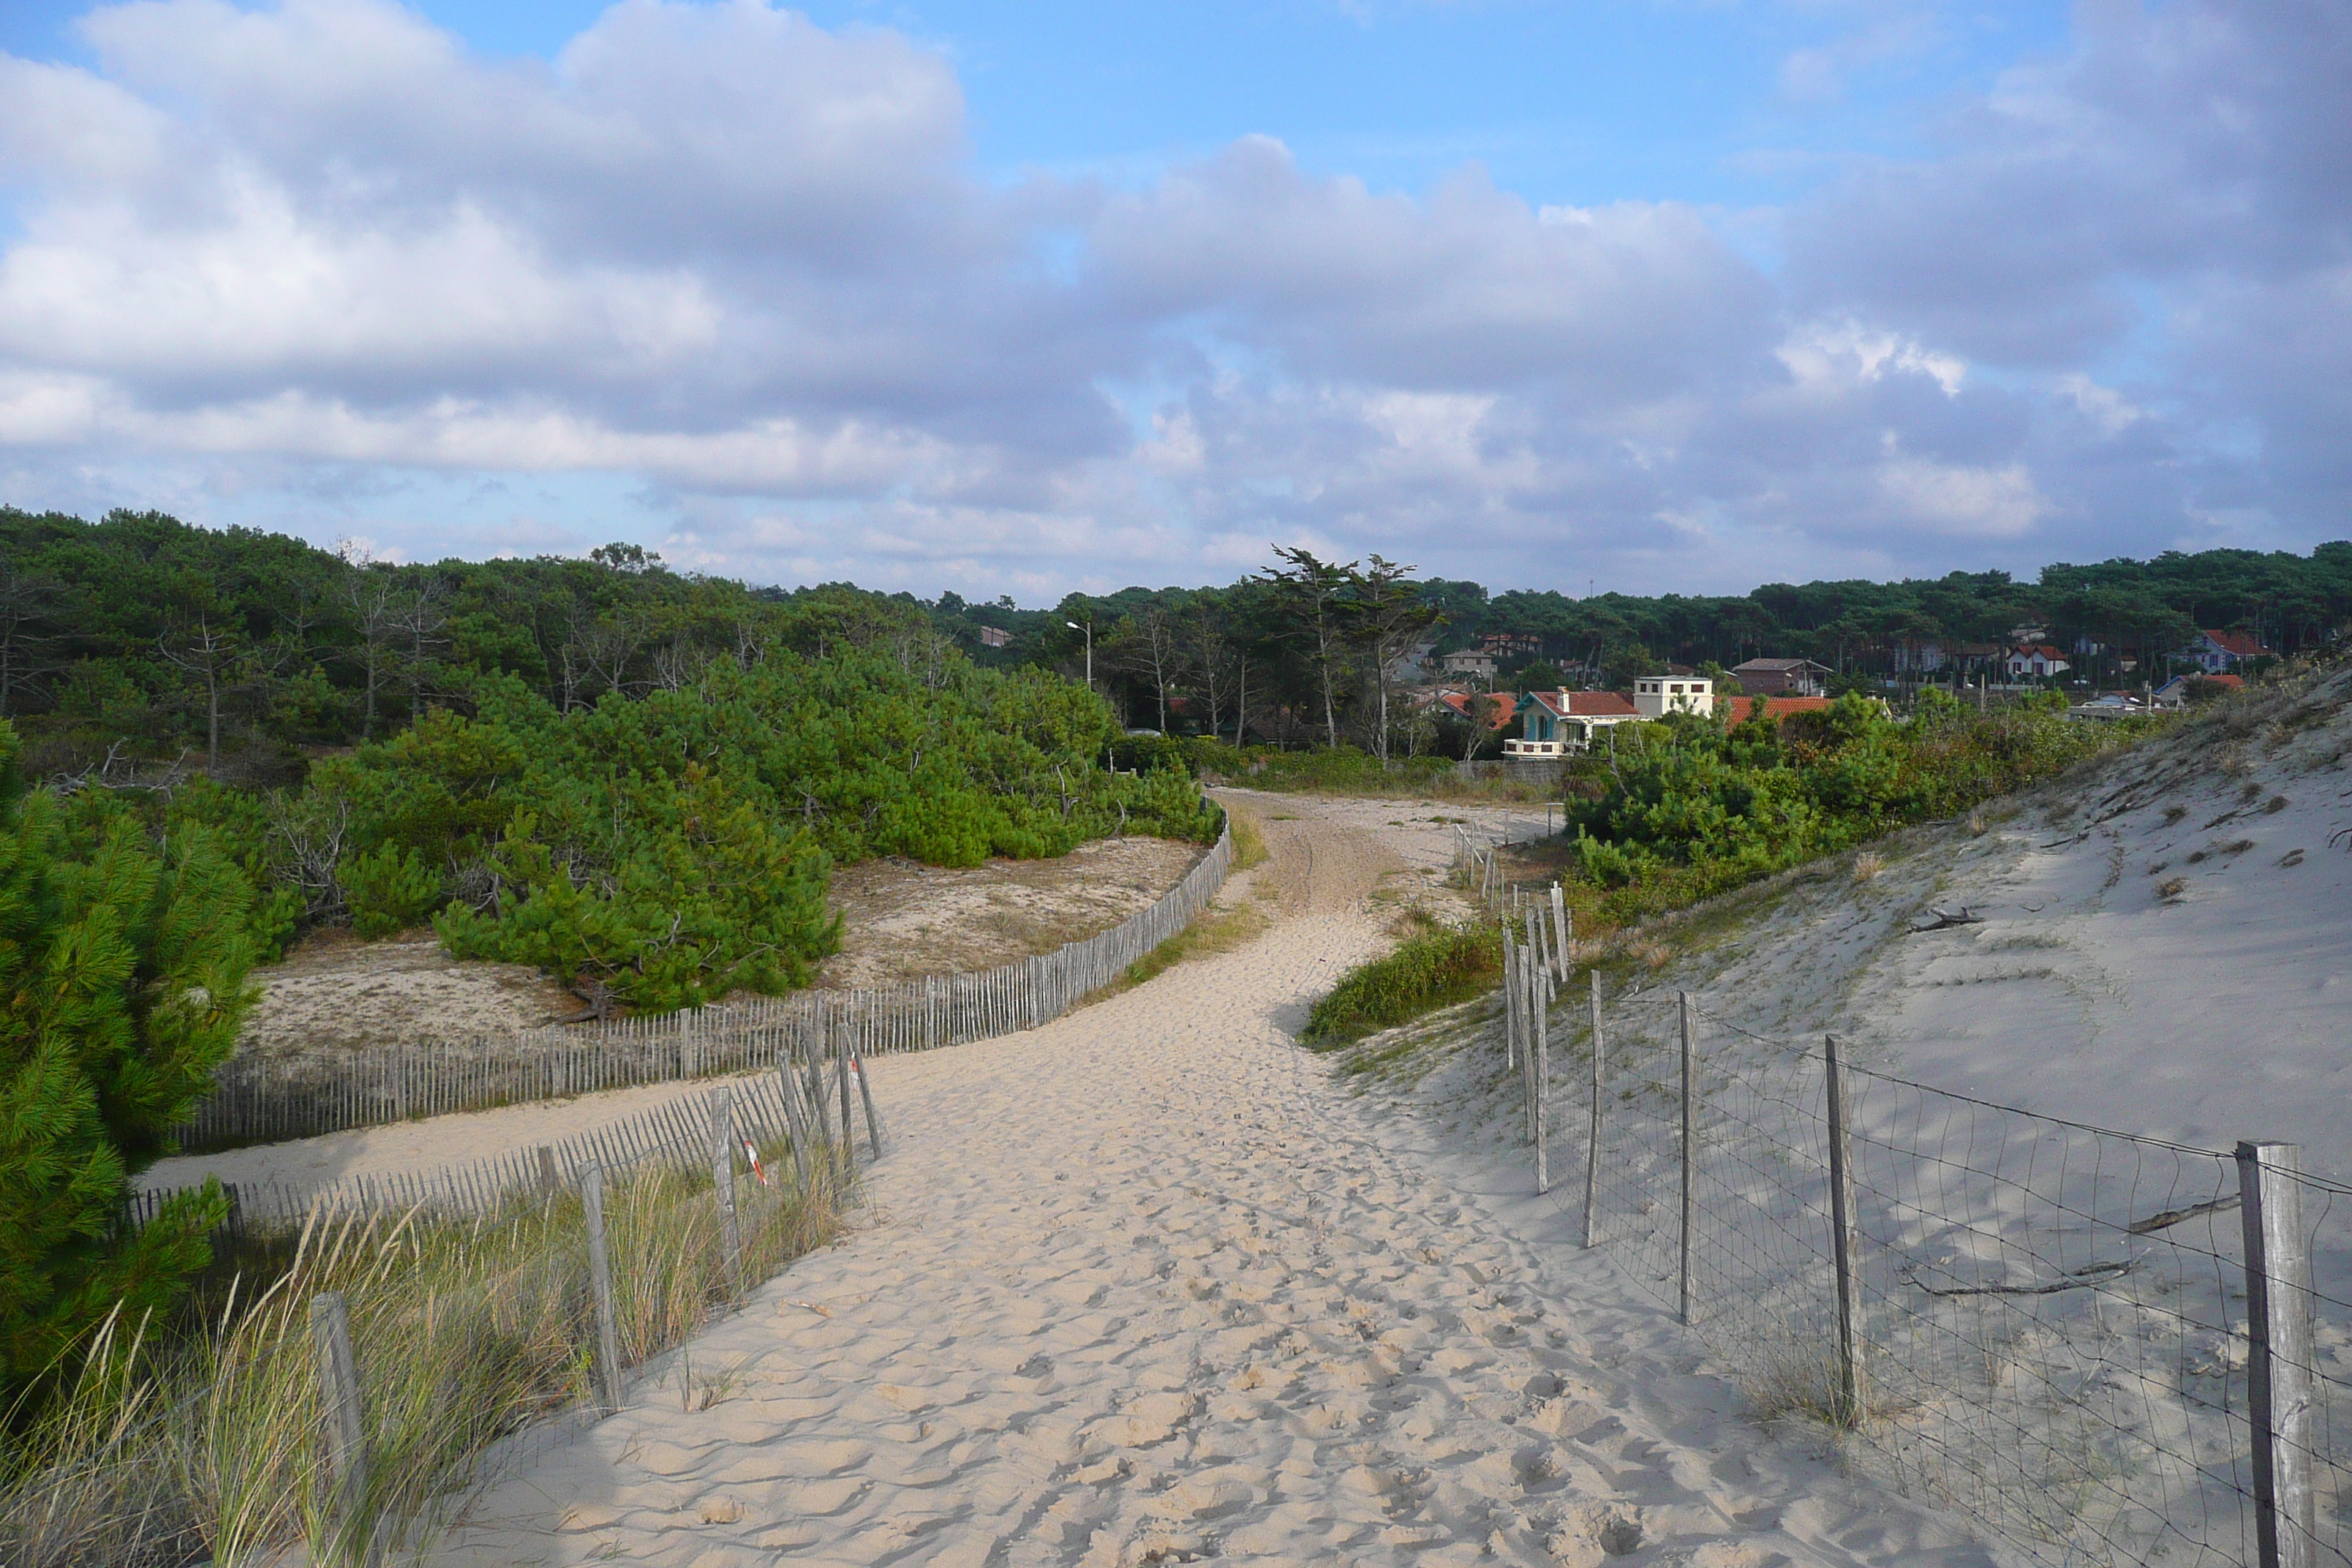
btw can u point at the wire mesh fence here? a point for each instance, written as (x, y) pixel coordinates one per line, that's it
(2056, 1329)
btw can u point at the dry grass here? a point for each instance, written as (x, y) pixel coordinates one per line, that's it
(1215, 929)
(1249, 839)
(1795, 1378)
(1868, 865)
(173, 1443)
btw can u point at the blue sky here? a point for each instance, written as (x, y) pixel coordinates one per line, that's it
(1577, 103)
(1654, 293)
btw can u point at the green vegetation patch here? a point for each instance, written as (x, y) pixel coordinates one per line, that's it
(1436, 968)
(1674, 812)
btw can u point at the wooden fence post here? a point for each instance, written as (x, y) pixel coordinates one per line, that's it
(1539, 949)
(2279, 1371)
(795, 1118)
(848, 1126)
(1511, 1001)
(342, 1431)
(1848, 1409)
(1543, 1084)
(865, 1094)
(1690, 1158)
(1592, 1136)
(723, 1181)
(600, 1282)
(1536, 973)
(1562, 931)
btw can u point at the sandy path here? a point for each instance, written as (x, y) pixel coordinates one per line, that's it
(1146, 1285)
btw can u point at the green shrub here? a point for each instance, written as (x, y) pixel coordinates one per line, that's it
(1434, 969)
(122, 981)
(1670, 813)
(722, 902)
(389, 889)
(1167, 804)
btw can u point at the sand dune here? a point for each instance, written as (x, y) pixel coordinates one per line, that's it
(1147, 1284)
(2161, 941)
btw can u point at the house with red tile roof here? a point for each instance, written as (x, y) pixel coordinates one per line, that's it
(1562, 723)
(2215, 652)
(1739, 710)
(1505, 705)
(2029, 661)
(2178, 690)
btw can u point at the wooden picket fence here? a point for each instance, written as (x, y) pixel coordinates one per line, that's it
(673, 1133)
(790, 1111)
(259, 1100)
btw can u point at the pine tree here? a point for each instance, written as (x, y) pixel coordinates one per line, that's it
(122, 981)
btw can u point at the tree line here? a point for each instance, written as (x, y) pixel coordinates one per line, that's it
(1252, 660)
(137, 641)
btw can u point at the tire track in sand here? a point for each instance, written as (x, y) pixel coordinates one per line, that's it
(1145, 1285)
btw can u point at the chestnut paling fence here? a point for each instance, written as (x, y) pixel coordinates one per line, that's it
(793, 1108)
(2101, 1347)
(262, 1100)
(399, 1341)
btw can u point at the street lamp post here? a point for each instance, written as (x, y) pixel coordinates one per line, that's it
(1089, 629)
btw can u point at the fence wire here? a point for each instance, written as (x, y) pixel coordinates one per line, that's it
(2326, 1206)
(2049, 1319)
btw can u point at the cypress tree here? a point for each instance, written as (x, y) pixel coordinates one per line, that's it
(122, 981)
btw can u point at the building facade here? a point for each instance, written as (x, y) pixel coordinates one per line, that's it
(1655, 696)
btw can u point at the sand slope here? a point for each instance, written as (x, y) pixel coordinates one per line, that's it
(1146, 1285)
(2164, 941)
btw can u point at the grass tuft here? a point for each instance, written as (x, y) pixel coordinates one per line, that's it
(1438, 967)
(167, 1443)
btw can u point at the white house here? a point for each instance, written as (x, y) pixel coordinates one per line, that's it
(1655, 696)
(2034, 661)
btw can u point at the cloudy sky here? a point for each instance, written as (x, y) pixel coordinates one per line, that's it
(1022, 296)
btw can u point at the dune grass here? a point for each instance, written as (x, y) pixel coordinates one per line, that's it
(174, 1443)
(1437, 966)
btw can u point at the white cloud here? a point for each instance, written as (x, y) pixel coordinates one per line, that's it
(1831, 356)
(2108, 408)
(1959, 498)
(280, 262)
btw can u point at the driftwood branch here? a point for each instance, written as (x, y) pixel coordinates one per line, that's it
(2075, 1280)
(2170, 1217)
(1963, 916)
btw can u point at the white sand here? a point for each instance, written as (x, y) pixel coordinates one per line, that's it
(2095, 987)
(1147, 1284)
(902, 920)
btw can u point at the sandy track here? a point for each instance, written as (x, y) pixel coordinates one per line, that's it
(1146, 1285)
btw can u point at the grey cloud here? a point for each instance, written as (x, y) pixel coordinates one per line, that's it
(1466, 290)
(745, 260)
(2168, 143)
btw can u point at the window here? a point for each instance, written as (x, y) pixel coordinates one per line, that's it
(1678, 688)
